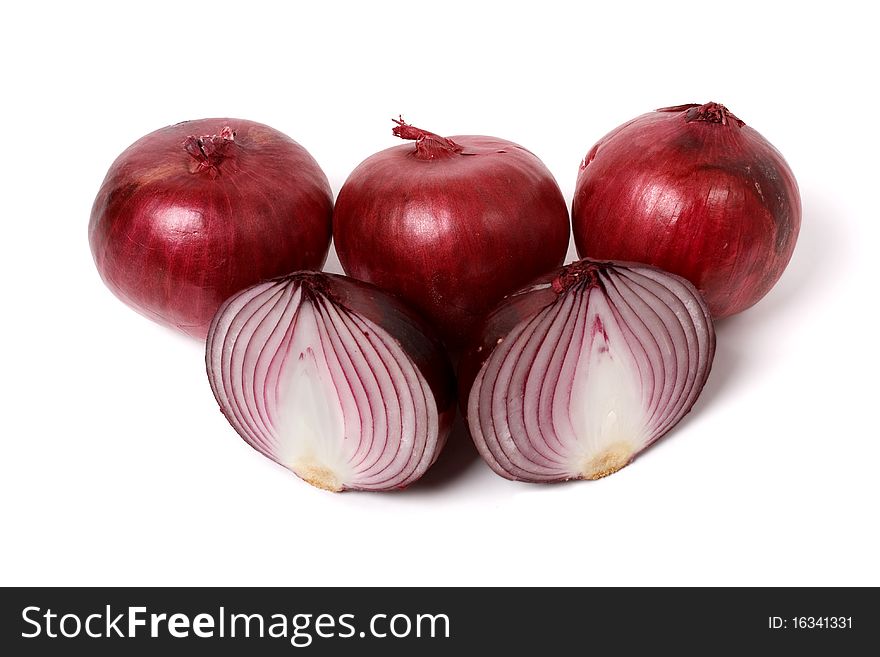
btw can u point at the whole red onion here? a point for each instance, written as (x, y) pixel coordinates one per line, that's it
(196, 211)
(576, 374)
(695, 191)
(334, 379)
(450, 224)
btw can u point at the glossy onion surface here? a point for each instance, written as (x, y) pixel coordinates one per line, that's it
(692, 190)
(194, 212)
(450, 225)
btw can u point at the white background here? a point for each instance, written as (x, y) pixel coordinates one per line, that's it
(117, 467)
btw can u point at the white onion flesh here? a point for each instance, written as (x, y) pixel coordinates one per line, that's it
(577, 389)
(321, 389)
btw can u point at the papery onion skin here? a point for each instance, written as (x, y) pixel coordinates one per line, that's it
(193, 212)
(693, 190)
(378, 365)
(450, 224)
(677, 350)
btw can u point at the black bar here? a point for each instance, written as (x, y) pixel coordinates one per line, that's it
(513, 621)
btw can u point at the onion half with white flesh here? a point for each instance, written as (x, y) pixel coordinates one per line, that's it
(575, 375)
(333, 379)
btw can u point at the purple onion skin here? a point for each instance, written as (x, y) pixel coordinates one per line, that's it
(450, 225)
(407, 329)
(550, 289)
(187, 216)
(693, 190)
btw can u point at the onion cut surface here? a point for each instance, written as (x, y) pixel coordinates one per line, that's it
(332, 379)
(577, 374)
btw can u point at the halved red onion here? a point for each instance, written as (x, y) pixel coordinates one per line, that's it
(333, 379)
(575, 375)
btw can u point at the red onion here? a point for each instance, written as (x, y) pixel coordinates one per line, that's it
(333, 379)
(196, 211)
(575, 375)
(695, 191)
(450, 225)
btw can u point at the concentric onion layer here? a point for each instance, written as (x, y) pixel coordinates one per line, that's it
(579, 388)
(321, 389)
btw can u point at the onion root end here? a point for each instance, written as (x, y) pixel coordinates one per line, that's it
(318, 476)
(609, 461)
